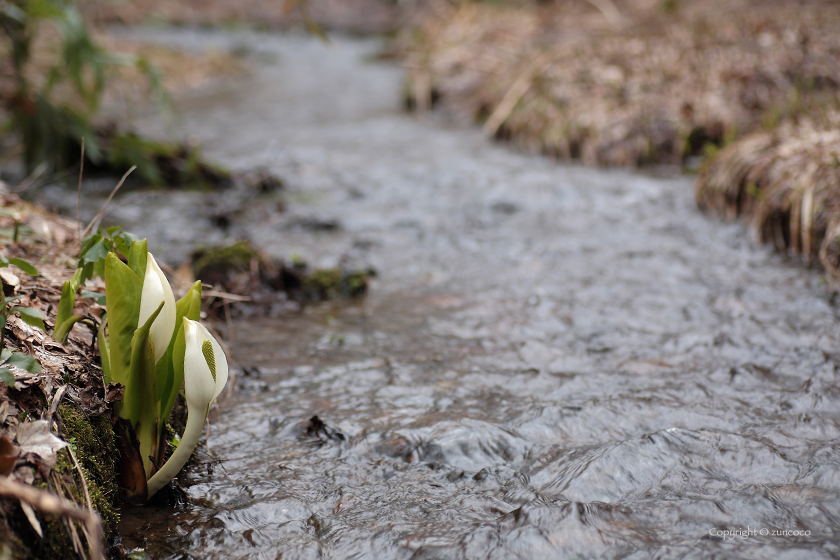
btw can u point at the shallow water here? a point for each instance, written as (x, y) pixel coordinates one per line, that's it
(553, 362)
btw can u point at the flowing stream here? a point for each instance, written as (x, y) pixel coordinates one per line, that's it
(552, 362)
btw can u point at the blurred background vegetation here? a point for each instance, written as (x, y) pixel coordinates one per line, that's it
(716, 87)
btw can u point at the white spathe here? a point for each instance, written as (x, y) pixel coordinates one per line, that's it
(156, 289)
(199, 384)
(201, 353)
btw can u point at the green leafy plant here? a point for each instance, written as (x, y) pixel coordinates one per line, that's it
(52, 101)
(148, 344)
(20, 263)
(29, 315)
(11, 358)
(95, 249)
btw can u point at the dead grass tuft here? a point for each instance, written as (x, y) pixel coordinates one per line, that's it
(786, 183)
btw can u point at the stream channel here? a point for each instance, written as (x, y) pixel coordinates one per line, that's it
(552, 362)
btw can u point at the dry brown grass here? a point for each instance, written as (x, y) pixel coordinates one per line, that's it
(655, 86)
(786, 183)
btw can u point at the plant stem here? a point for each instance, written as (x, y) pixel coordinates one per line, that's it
(170, 469)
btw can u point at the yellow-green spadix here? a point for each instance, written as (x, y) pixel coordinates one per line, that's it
(205, 375)
(156, 289)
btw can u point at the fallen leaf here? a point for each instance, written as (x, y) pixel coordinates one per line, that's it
(36, 438)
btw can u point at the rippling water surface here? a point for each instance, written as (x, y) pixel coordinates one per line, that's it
(553, 362)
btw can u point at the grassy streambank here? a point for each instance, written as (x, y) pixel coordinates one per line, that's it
(636, 83)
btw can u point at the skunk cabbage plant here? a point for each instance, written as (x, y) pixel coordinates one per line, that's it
(205, 375)
(143, 344)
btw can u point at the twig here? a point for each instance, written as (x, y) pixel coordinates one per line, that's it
(82, 477)
(132, 200)
(110, 196)
(79, 194)
(228, 320)
(225, 295)
(50, 503)
(508, 103)
(38, 183)
(56, 401)
(62, 489)
(30, 180)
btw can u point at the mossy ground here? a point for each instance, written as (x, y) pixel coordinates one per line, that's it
(91, 440)
(241, 269)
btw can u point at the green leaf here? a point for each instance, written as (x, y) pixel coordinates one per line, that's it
(76, 280)
(87, 273)
(5, 354)
(65, 309)
(8, 300)
(24, 362)
(130, 237)
(124, 242)
(137, 256)
(104, 350)
(8, 377)
(24, 266)
(170, 368)
(89, 242)
(98, 268)
(63, 329)
(140, 406)
(98, 250)
(98, 296)
(31, 316)
(123, 290)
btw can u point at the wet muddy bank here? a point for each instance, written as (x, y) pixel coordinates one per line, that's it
(552, 361)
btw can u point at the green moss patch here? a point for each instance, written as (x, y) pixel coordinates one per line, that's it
(92, 440)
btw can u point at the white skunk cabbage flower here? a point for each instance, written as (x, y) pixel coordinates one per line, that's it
(156, 289)
(205, 366)
(205, 375)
